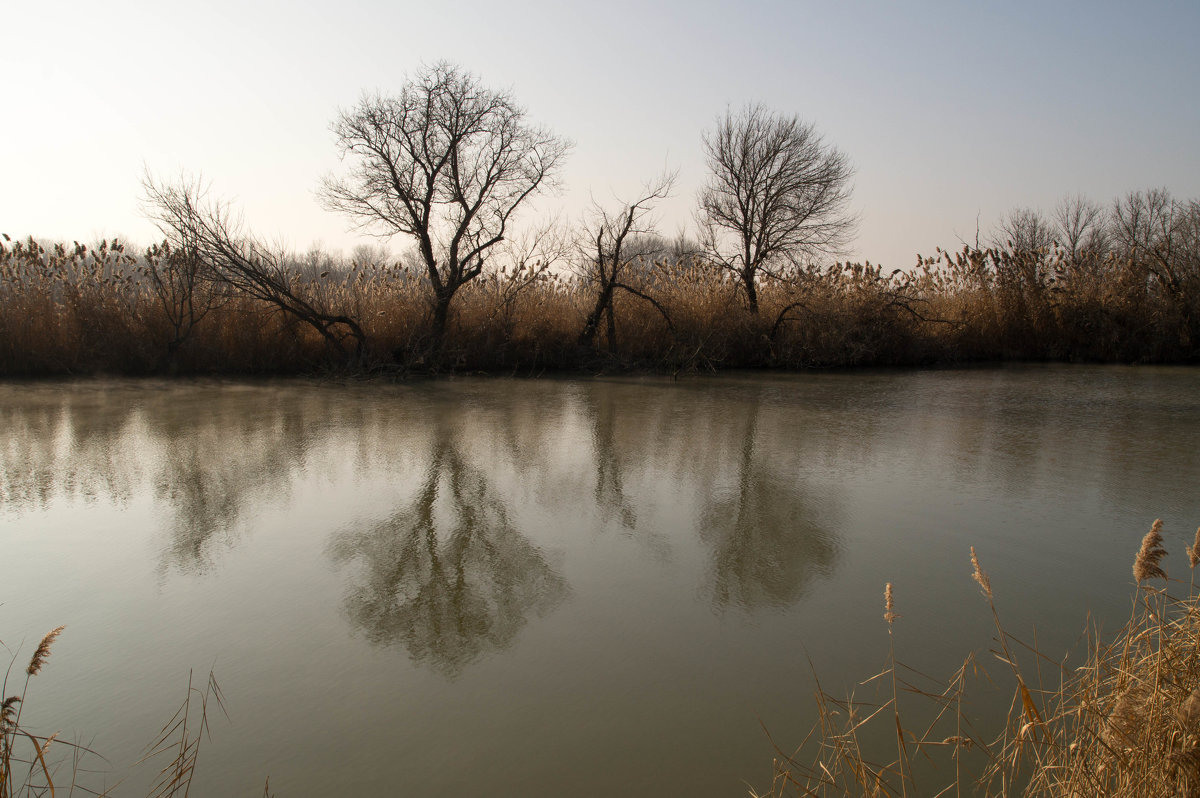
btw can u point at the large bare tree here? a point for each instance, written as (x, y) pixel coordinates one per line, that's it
(776, 196)
(446, 162)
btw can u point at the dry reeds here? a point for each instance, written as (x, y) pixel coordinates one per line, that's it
(25, 772)
(75, 309)
(42, 652)
(1146, 564)
(29, 765)
(1124, 723)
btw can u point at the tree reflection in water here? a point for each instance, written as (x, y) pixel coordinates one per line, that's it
(447, 575)
(767, 534)
(602, 409)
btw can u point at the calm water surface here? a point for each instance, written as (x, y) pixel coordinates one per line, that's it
(591, 588)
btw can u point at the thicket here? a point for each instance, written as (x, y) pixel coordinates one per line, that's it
(1127, 291)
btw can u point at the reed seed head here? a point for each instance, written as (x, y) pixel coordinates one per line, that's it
(8, 710)
(888, 606)
(43, 651)
(980, 576)
(1193, 551)
(1146, 565)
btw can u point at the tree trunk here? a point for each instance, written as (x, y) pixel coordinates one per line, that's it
(612, 327)
(590, 325)
(751, 290)
(441, 314)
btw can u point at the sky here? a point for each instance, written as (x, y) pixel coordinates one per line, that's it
(952, 113)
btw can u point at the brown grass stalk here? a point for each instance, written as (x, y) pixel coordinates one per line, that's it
(1126, 722)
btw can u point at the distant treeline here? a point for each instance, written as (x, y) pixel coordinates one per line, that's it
(1087, 283)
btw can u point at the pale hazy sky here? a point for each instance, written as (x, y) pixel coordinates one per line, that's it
(949, 111)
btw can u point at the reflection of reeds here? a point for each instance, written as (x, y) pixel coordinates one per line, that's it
(1126, 723)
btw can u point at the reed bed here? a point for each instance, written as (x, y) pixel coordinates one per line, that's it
(78, 310)
(1124, 723)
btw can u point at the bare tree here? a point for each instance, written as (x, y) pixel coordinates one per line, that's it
(366, 255)
(777, 195)
(611, 243)
(175, 275)
(447, 162)
(1080, 227)
(524, 260)
(1023, 230)
(228, 255)
(1163, 234)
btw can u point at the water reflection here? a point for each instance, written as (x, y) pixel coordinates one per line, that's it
(758, 466)
(447, 575)
(446, 506)
(58, 444)
(767, 533)
(205, 508)
(603, 410)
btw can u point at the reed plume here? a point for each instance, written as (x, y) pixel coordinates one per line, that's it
(1146, 565)
(42, 653)
(979, 576)
(1125, 723)
(889, 614)
(8, 713)
(1193, 551)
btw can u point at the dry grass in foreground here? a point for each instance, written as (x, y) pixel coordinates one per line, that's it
(1126, 723)
(33, 765)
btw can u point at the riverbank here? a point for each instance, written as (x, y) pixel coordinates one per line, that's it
(102, 310)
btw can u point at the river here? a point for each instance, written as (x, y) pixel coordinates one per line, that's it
(590, 587)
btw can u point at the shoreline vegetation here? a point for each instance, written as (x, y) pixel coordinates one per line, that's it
(78, 310)
(1126, 722)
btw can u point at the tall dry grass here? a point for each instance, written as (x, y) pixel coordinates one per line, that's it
(68, 310)
(1124, 723)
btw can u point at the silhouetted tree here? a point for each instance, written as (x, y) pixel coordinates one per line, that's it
(1023, 230)
(610, 246)
(1160, 236)
(1080, 228)
(209, 231)
(1154, 227)
(447, 162)
(776, 196)
(176, 279)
